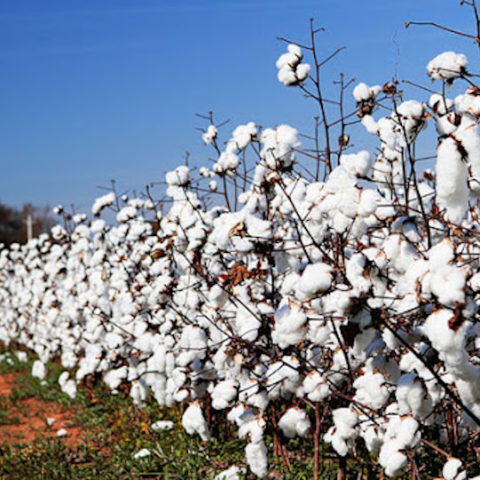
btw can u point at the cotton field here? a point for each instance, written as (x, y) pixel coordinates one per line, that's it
(273, 292)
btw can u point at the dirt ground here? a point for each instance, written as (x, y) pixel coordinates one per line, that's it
(30, 417)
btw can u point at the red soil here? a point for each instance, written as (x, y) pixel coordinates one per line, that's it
(32, 414)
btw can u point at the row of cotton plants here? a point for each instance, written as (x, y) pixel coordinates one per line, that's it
(356, 292)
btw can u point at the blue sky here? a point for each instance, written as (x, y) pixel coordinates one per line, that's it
(97, 89)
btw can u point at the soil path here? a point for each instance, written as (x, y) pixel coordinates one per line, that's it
(25, 420)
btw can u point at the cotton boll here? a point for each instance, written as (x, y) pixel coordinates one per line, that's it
(233, 473)
(243, 135)
(102, 202)
(371, 390)
(358, 163)
(178, 177)
(210, 134)
(193, 422)
(162, 425)
(447, 66)
(361, 92)
(342, 434)
(454, 470)
(294, 422)
(392, 459)
(289, 324)
(144, 452)
(223, 393)
(39, 370)
(256, 454)
(452, 188)
(315, 279)
(439, 104)
(303, 71)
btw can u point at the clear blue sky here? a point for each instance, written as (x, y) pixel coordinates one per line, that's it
(98, 89)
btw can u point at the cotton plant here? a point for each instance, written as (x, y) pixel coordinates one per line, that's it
(357, 286)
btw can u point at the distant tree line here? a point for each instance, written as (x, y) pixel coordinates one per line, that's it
(13, 222)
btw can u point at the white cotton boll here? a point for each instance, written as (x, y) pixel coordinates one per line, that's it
(62, 433)
(162, 425)
(295, 50)
(357, 163)
(58, 232)
(144, 452)
(212, 185)
(228, 161)
(126, 213)
(210, 134)
(391, 459)
(361, 92)
(315, 279)
(303, 71)
(287, 76)
(102, 202)
(233, 473)
(223, 394)
(342, 434)
(371, 390)
(439, 104)
(21, 356)
(453, 470)
(194, 422)
(469, 102)
(178, 177)
(256, 455)
(39, 370)
(447, 282)
(370, 124)
(287, 60)
(452, 189)
(369, 201)
(294, 422)
(289, 324)
(447, 66)
(412, 396)
(243, 135)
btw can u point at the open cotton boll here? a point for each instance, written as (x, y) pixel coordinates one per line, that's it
(357, 163)
(223, 393)
(371, 390)
(194, 422)
(288, 328)
(392, 459)
(39, 370)
(469, 102)
(287, 76)
(303, 71)
(210, 134)
(439, 104)
(162, 425)
(452, 188)
(454, 470)
(447, 66)
(315, 279)
(102, 202)
(144, 452)
(294, 422)
(361, 92)
(256, 454)
(243, 135)
(233, 473)
(178, 177)
(342, 434)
